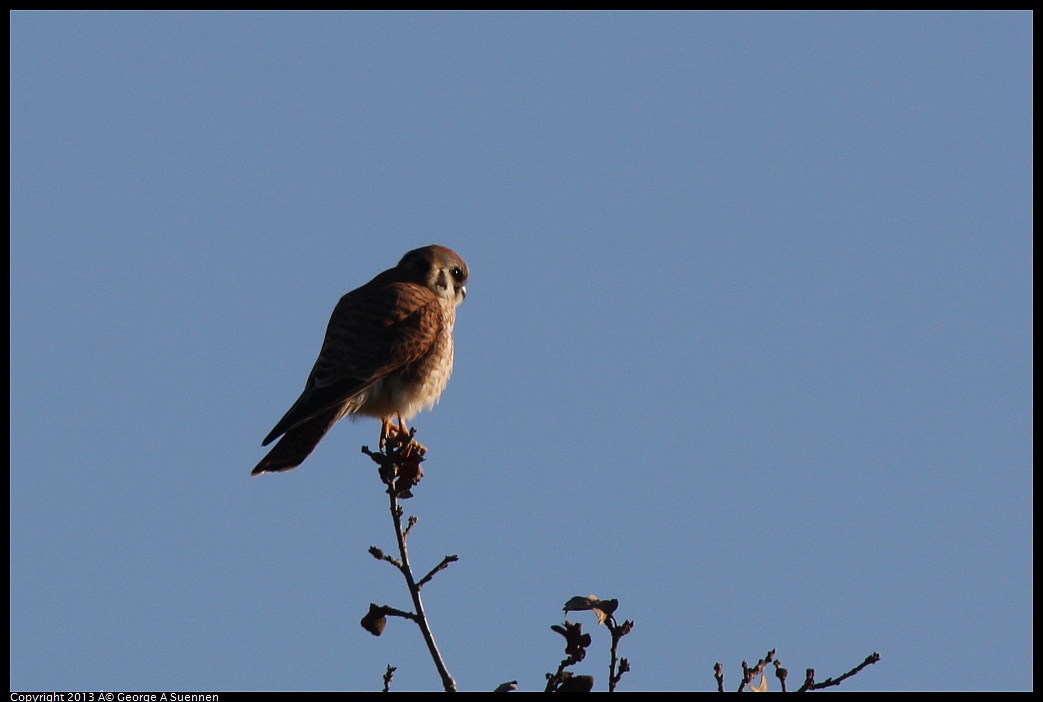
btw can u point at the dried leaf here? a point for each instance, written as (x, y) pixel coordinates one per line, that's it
(576, 642)
(602, 608)
(375, 620)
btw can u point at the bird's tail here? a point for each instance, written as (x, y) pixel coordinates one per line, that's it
(297, 443)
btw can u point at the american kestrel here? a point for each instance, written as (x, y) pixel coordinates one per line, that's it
(388, 353)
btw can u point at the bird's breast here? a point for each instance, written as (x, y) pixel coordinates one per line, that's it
(414, 387)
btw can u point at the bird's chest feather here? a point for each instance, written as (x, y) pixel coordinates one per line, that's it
(415, 386)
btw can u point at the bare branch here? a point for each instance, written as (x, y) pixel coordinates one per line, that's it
(781, 673)
(618, 631)
(441, 566)
(748, 674)
(413, 519)
(809, 680)
(381, 556)
(399, 469)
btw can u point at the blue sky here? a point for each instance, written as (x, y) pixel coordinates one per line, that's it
(747, 345)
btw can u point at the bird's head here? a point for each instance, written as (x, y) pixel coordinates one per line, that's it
(438, 268)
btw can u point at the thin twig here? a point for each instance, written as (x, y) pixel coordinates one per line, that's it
(617, 632)
(381, 556)
(748, 674)
(441, 566)
(809, 680)
(718, 674)
(409, 525)
(414, 591)
(399, 469)
(781, 673)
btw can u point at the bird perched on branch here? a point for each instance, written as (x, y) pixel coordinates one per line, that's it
(388, 353)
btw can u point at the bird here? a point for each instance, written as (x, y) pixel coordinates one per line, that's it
(388, 353)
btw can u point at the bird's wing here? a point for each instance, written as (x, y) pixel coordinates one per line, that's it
(374, 331)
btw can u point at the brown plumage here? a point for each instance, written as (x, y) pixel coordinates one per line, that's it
(388, 353)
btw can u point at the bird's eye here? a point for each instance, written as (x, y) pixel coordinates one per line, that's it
(457, 273)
